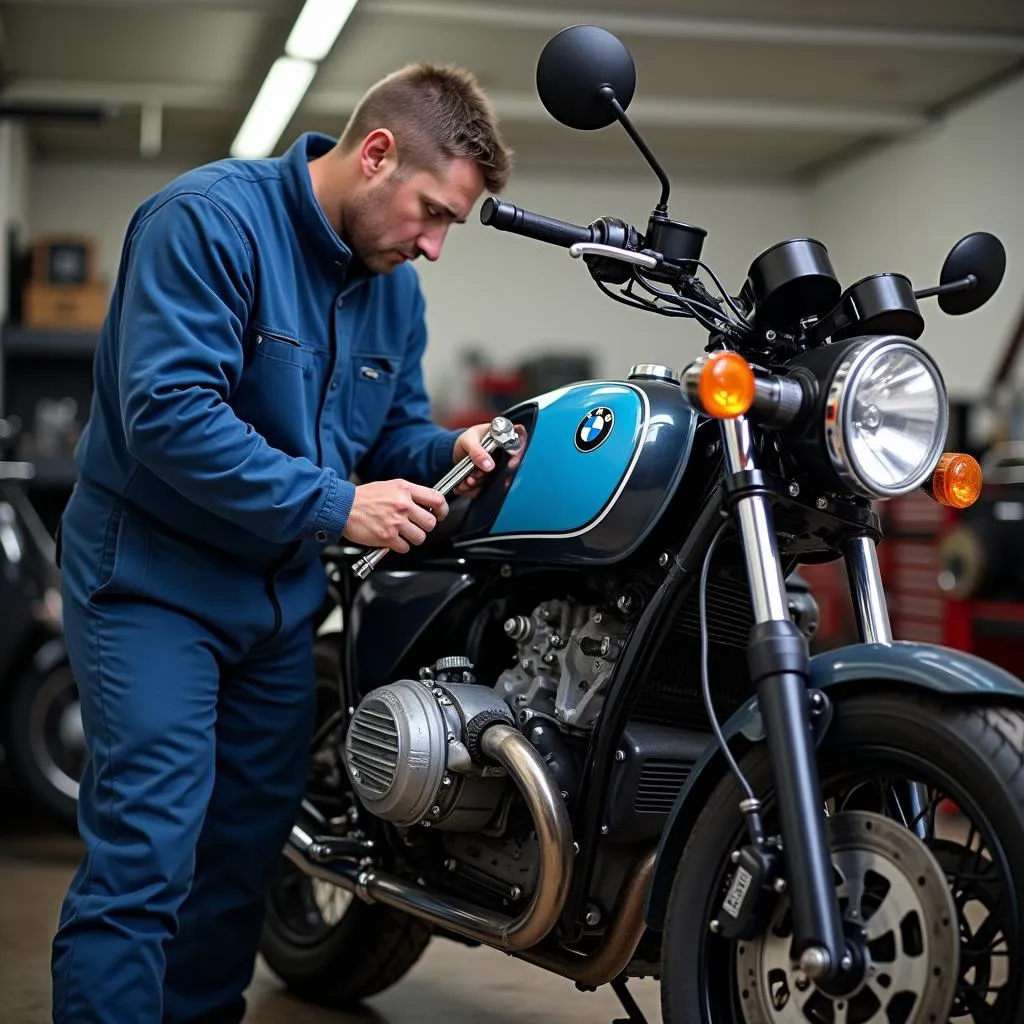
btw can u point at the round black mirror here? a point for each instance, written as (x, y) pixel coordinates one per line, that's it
(576, 69)
(980, 255)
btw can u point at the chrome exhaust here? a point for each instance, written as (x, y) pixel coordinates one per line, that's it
(526, 768)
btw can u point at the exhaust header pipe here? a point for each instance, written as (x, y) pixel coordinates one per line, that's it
(517, 755)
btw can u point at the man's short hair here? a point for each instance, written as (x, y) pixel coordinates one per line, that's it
(434, 112)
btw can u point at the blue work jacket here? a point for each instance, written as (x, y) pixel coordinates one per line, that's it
(249, 366)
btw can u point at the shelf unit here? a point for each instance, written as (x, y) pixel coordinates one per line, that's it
(38, 364)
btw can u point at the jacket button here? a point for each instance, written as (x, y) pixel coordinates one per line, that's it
(334, 383)
(320, 536)
(341, 302)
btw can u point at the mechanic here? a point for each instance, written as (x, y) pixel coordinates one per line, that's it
(263, 347)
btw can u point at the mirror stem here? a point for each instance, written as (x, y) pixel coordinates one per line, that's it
(608, 94)
(954, 286)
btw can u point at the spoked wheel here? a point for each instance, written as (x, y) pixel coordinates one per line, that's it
(932, 895)
(327, 946)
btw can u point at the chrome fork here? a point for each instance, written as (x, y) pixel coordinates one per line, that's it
(778, 657)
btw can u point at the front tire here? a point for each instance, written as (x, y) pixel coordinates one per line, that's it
(973, 756)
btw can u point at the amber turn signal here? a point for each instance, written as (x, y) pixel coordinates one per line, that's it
(956, 481)
(726, 386)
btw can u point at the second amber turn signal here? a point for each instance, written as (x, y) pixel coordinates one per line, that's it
(726, 387)
(956, 481)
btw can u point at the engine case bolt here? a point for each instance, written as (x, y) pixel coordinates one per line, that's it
(821, 503)
(794, 489)
(620, 755)
(435, 810)
(451, 864)
(593, 915)
(515, 892)
(663, 559)
(446, 781)
(735, 856)
(604, 830)
(779, 885)
(715, 927)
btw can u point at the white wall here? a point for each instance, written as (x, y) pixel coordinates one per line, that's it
(510, 294)
(523, 297)
(14, 197)
(92, 199)
(900, 209)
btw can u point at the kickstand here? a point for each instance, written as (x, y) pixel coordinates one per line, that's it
(628, 1004)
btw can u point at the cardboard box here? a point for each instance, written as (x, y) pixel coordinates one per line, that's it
(68, 307)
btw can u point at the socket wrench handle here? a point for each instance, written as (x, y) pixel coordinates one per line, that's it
(501, 434)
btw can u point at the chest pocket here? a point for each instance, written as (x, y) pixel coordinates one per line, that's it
(281, 349)
(279, 392)
(372, 383)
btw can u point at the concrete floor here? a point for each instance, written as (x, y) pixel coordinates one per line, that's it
(451, 982)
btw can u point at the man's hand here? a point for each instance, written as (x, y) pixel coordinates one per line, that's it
(469, 444)
(394, 514)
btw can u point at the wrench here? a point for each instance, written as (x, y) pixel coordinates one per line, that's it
(501, 434)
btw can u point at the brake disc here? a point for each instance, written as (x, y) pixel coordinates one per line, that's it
(894, 897)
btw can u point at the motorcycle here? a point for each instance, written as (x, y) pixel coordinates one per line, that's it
(581, 723)
(40, 716)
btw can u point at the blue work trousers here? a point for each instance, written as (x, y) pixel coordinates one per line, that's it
(198, 703)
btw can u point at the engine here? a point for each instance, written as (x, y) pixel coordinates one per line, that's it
(412, 750)
(567, 652)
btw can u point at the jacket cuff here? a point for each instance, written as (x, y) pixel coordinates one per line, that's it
(334, 513)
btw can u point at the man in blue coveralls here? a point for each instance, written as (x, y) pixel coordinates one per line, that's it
(263, 345)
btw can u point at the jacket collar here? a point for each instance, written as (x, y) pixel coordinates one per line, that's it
(317, 230)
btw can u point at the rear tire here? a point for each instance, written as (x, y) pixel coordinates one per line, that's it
(326, 945)
(366, 951)
(973, 754)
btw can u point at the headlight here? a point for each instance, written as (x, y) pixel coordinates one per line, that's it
(886, 417)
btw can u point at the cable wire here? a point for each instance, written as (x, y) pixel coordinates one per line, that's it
(705, 675)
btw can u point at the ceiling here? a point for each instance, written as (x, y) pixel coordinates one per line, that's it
(724, 87)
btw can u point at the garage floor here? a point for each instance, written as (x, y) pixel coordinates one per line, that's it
(451, 982)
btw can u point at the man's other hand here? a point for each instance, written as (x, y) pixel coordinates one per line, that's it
(469, 444)
(394, 514)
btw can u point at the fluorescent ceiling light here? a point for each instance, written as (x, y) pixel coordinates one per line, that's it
(317, 27)
(282, 91)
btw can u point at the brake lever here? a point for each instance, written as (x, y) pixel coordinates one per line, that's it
(612, 252)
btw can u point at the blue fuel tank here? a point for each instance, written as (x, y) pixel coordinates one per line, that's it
(603, 459)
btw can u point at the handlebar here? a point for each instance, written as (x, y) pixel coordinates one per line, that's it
(508, 217)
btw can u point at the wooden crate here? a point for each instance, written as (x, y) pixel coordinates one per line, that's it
(68, 307)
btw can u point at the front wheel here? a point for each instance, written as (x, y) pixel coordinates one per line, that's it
(968, 832)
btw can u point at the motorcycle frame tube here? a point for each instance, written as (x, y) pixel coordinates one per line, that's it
(633, 665)
(785, 709)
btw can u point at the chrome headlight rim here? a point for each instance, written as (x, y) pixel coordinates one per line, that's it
(837, 424)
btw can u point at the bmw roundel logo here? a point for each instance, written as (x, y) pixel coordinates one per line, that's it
(594, 429)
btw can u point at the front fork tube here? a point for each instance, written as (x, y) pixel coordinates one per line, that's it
(778, 657)
(872, 614)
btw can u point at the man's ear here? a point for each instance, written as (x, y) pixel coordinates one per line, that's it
(377, 151)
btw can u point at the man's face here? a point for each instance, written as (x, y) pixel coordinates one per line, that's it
(392, 220)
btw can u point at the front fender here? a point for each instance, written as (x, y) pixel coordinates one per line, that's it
(921, 666)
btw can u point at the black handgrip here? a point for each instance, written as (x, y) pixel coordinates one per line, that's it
(508, 217)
